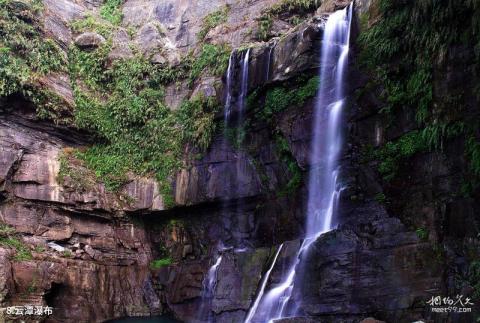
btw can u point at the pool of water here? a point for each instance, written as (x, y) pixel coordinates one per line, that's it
(149, 319)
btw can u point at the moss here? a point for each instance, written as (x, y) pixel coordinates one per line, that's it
(380, 198)
(294, 171)
(159, 263)
(422, 234)
(212, 20)
(281, 97)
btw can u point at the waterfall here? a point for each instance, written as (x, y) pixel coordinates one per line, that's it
(232, 104)
(228, 101)
(208, 292)
(210, 282)
(269, 61)
(243, 87)
(236, 103)
(323, 188)
(253, 309)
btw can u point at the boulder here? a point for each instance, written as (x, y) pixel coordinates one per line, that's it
(89, 40)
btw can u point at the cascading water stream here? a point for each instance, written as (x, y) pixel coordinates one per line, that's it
(210, 281)
(269, 62)
(208, 292)
(323, 188)
(228, 101)
(254, 307)
(243, 86)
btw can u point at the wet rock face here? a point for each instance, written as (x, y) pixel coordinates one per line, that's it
(371, 263)
(238, 276)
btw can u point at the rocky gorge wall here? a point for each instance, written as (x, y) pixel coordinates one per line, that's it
(396, 245)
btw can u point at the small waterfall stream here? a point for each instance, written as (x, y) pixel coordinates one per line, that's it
(234, 111)
(210, 281)
(323, 188)
(269, 61)
(254, 307)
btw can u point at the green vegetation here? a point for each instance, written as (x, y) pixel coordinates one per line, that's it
(6, 230)
(159, 263)
(73, 172)
(93, 24)
(145, 137)
(422, 234)
(281, 97)
(197, 120)
(292, 11)
(405, 48)
(67, 253)
(236, 135)
(474, 278)
(32, 287)
(212, 20)
(380, 198)
(39, 249)
(265, 23)
(122, 104)
(213, 58)
(393, 153)
(111, 10)
(267, 104)
(295, 6)
(283, 149)
(9, 239)
(26, 56)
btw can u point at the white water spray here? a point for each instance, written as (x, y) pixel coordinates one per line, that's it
(323, 188)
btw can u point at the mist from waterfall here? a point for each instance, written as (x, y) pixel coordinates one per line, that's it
(323, 187)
